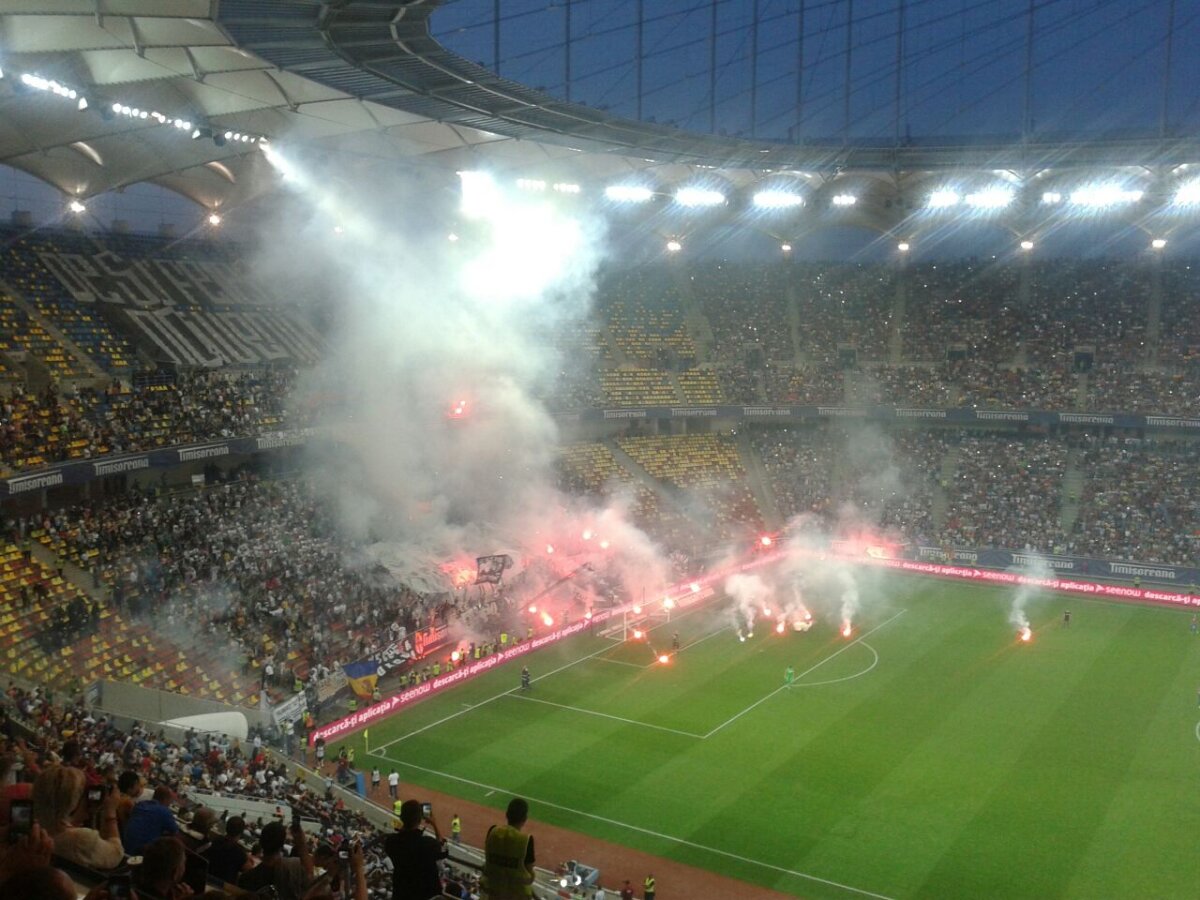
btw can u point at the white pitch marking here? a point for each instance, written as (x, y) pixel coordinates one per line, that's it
(810, 669)
(845, 677)
(1198, 731)
(592, 712)
(618, 662)
(657, 834)
(379, 751)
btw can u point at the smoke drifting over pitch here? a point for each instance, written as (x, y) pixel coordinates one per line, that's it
(438, 353)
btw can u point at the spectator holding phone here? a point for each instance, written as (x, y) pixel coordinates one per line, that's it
(289, 875)
(415, 855)
(60, 807)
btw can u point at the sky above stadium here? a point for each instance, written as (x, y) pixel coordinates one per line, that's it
(917, 68)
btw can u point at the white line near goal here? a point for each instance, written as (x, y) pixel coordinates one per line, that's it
(810, 669)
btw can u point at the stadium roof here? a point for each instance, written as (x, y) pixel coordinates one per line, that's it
(364, 78)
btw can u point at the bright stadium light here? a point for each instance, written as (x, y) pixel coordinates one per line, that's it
(673, 246)
(628, 193)
(452, 237)
(76, 207)
(844, 199)
(693, 196)
(1102, 196)
(214, 220)
(786, 248)
(480, 193)
(902, 246)
(1026, 245)
(1158, 243)
(566, 188)
(777, 200)
(992, 198)
(1051, 197)
(943, 199)
(531, 184)
(1188, 194)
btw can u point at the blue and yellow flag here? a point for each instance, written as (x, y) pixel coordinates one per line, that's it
(361, 676)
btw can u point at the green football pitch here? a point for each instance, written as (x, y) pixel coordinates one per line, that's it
(930, 754)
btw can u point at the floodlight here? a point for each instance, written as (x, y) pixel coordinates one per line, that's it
(1099, 196)
(844, 199)
(83, 104)
(628, 193)
(786, 248)
(214, 219)
(338, 229)
(902, 246)
(1188, 194)
(777, 200)
(1158, 243)
(693, 196)
(943, 199)
(566, 188)
(452, 237)
(1051, 197)
(673, 246)
(992, 198)
(1026, 245)
(480, 194)
(531, 184)
(76, 207)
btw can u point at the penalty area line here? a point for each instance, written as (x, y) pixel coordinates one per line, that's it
(379, 751)
(592, 712)
(808, 671)
(656, 834)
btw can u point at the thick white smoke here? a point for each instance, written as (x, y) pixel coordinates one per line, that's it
(438, 352)
(1034, 568)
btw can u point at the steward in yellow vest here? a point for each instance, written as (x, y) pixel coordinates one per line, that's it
(508, 857)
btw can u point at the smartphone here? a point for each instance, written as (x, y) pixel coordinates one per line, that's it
(95, 794)
(20, 817)
(120, 887)
(427, 810)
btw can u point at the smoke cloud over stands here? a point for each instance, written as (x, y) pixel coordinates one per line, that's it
(438, 351)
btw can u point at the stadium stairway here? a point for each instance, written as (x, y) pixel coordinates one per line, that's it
(793, 315)
(1072, 491)
(941, 501)
(666, 495)
(80, 358)
(756, 479)
(896, 333)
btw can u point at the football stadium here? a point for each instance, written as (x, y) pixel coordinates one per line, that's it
(599, 449)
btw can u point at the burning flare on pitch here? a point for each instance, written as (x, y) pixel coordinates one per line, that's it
(1026, 634)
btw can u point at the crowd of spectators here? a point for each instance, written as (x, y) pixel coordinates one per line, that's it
(127, 804)
(1139, 501)
(258, 563)
(973, 333)
(1006, 492)
(52, 426)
